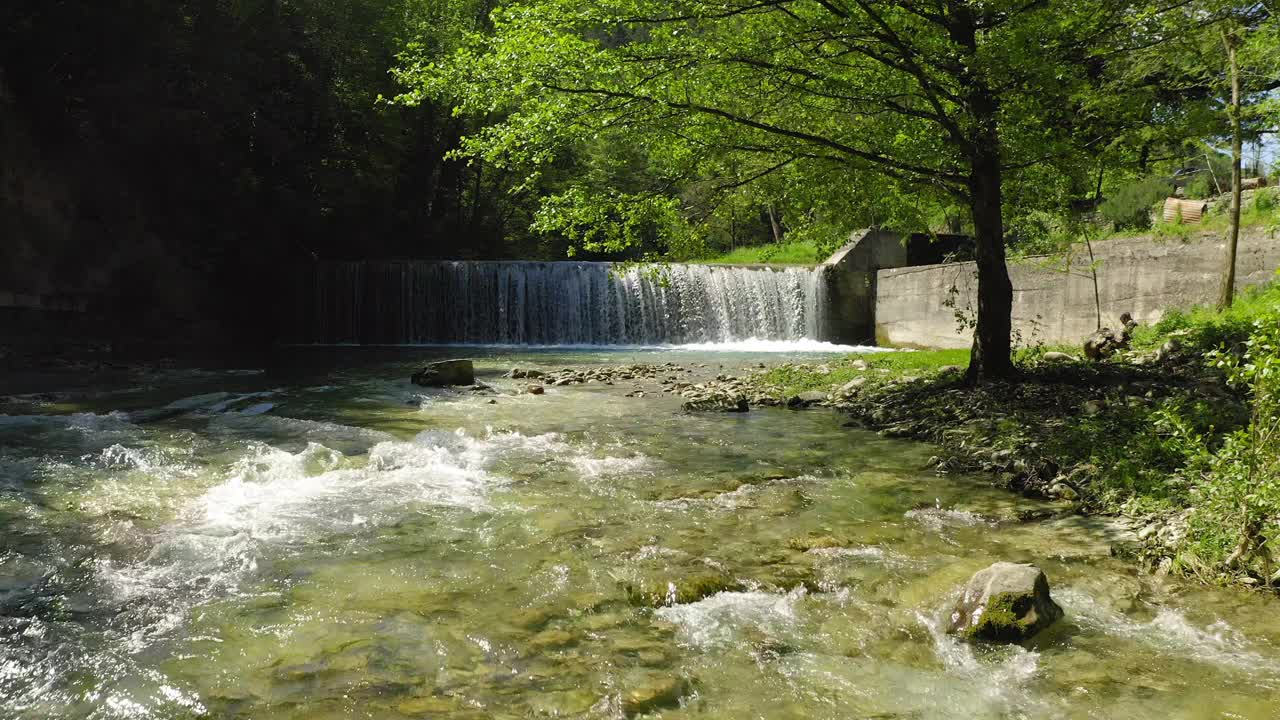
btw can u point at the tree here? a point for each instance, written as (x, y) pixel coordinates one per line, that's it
(1246, 31)
(168, 159)
(950, 99)
(1231, 45)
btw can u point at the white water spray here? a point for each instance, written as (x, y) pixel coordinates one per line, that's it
(564, 303)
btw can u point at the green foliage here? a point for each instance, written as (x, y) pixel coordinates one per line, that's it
(791, 253)
(1202, 186)
(880, 367)
(1131, 205)
(1216, 454)
(837, 116)
(1202, 329)
(1236, 522)
(1265, 201)
(616, 222)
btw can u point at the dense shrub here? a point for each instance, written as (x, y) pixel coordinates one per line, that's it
(1265, 200)
(1203, 329)
(1236, 486)
(1202, 187)
(1130, 206)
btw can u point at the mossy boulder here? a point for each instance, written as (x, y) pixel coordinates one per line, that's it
(1005, 603)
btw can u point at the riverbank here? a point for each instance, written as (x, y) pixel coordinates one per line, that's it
(1177, 434)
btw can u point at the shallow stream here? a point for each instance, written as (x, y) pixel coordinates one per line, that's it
(339, 543)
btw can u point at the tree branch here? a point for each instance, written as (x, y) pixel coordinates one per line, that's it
(885, 164)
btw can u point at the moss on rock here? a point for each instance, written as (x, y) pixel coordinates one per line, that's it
(690, 589)
(1005, 603)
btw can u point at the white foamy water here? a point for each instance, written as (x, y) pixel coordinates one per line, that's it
(217, 564)
(1171, 632)
(718, 620)
(604, 467)
(153, 460)
(564, 303)
(937, 518)
(273, 496)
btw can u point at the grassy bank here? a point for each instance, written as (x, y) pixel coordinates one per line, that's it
(796, 253)
(1181, 432)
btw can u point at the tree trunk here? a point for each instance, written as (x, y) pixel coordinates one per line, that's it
(775, 227)
(1233, 238)
(992, 338)
(992, 356)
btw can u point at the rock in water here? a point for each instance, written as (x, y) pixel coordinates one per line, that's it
(445, 373)
(806, 399)
(1007, 602)
(651, 694)
(718, 403)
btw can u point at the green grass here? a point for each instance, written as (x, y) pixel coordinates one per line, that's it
(794, 379)
(1204, 328)
(795, 253)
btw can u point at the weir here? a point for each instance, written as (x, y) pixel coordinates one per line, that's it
(562, 303)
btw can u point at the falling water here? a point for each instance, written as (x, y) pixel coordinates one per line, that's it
(563, 303)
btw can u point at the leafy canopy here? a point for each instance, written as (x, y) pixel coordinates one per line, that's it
(847, 112)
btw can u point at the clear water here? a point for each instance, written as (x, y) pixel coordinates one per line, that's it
(338, 543)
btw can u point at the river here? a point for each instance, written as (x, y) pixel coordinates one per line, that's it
(335, 542)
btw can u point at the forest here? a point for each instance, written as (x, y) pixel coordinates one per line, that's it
(152, 148)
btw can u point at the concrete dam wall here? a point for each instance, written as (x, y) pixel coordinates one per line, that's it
(881, 287)
(1053, 297)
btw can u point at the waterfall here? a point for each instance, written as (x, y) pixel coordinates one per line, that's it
(562, 303)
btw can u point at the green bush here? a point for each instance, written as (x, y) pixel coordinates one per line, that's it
(1129, 208)
(1265, 200)
(1236, 522)
(1202, 329)
(1202, 187)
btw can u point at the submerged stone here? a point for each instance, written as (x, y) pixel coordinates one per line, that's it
(429, 705)
(653, 693)
(551, 639)
(1007, 602)
(820, 542)
(446, 373)
(531, 618)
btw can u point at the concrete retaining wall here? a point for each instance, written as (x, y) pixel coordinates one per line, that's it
(851, 284)
(1053, 298)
